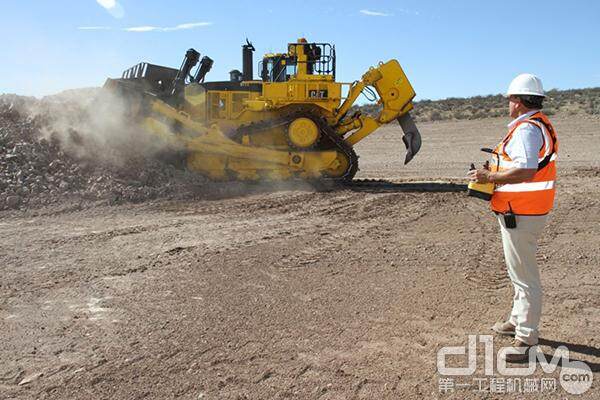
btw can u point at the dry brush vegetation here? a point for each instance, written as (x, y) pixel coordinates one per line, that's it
(569, 102)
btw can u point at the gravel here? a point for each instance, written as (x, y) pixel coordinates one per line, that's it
(38, 166)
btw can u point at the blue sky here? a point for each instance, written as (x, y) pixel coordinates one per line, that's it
(447, 48)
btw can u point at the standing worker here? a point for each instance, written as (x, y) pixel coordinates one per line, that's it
(524, 173)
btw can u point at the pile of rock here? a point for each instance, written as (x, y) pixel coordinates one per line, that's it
(36, 170)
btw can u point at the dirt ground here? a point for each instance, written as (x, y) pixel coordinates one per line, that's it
(294, 293)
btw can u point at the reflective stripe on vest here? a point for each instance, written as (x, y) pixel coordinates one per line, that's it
(536, 196)
(526, 187)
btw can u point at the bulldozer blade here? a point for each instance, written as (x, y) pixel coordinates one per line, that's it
(411, 138)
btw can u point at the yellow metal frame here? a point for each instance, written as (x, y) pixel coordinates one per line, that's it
(395, 95)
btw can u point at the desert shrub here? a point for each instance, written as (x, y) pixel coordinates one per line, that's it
(569, 101)
(435, 116)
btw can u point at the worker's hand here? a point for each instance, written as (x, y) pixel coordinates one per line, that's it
(481, 175)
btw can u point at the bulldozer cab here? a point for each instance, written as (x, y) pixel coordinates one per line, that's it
(302, 61)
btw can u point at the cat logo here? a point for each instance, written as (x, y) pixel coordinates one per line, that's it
(317, 94)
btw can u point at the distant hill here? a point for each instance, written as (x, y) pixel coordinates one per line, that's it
(573, 101)
(569, 102)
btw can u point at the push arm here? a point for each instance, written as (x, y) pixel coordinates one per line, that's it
(395, 97)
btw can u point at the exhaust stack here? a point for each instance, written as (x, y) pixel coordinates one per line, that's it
(247, 62)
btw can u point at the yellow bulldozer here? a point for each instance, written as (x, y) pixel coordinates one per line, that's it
(293, 123)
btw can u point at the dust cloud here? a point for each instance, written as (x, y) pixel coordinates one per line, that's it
(97, 125)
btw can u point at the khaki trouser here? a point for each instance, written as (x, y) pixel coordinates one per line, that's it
(520, 245)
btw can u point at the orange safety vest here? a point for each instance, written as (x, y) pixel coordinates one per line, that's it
(536, 196)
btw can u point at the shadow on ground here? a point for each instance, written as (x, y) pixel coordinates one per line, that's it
(380, 185)
(573, 348)
(227, 190)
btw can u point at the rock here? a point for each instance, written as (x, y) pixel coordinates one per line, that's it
(12, 201)
(31, 378)
(54, 165)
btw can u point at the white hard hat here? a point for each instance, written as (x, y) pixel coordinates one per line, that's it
(526, 84)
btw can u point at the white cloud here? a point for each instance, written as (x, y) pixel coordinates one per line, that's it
(180, 27)
(148, 28)
(145, 28)
(375, 13)
(189, 25)
(114, 8)
(107, 3)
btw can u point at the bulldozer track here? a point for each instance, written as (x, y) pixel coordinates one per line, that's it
(329, 134)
